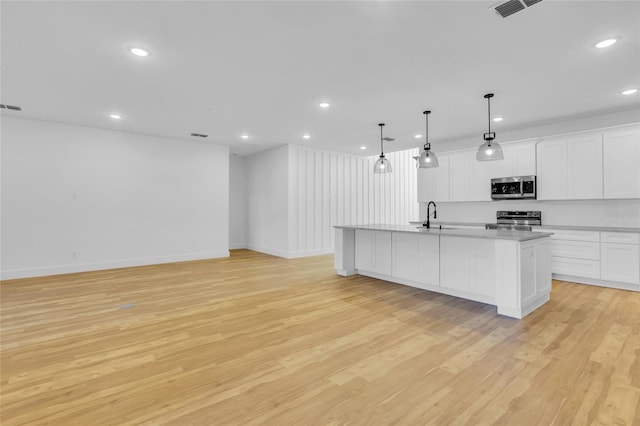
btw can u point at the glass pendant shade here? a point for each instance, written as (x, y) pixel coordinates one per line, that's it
(428, 159)
(489, 152)
(382, 165)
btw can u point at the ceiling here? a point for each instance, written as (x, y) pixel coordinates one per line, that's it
(261, 68)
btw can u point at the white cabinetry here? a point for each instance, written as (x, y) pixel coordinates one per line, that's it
(433, 184)
(621, 161)
(610, 259)
(552, 169)
(620, 257)
(460, 175)
(373, 251)
(416, 258)
(467, 265)
(575, 253)
(570, 167)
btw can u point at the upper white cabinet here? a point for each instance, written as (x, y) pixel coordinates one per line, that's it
(433, 184)
(621, 161)
(460, 175)
(523, 158)
(584, 166)
(570, 167)
(552, 169)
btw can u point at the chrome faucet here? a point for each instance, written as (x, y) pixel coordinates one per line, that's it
(427, 223)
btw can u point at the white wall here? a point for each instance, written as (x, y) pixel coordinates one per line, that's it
(267, 201)
(77, 198)
(237, 203)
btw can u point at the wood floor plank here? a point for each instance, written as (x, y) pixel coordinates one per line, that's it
(254, 339)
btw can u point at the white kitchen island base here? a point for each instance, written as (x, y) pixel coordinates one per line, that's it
(511, 270)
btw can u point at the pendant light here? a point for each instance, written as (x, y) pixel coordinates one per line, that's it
(428, 159)
(489, 151)
(382, 165)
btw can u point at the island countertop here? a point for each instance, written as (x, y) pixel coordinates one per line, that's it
(493, 234)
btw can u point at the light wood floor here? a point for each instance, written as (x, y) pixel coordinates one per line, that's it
(255, 339)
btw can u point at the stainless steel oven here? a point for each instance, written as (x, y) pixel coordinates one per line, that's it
(515, 187)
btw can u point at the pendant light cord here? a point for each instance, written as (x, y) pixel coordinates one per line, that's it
(489, 113)
(426, 133)
(381, 147)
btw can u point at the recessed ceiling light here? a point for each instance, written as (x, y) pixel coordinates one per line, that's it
(417, 136)
(606, 43)
(115, 116)
(363, 147)
(306, 136)
(498, 119)
(244, 136)
(138, 51)
(324, 105)
(629, 91)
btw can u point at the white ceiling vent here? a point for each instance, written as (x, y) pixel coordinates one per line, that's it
(510, 7)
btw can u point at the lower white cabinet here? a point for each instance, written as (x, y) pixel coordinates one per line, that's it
(466, 264)
(416, 257)
(373, 251)
(601, 258)
(620, 262)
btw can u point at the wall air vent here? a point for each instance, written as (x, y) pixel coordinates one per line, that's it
(510, 7)
(199, 135)
(11, 107)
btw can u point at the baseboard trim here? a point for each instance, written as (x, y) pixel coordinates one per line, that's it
(288, 254)
(307, 253)
(99, 266)
(596, 282)
(272, 252)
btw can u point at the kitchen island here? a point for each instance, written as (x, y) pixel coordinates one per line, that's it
(508, 269)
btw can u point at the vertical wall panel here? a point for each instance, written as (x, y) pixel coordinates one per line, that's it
(328, 189)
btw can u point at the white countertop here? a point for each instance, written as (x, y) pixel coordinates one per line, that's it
(493, 234)
(545, 226)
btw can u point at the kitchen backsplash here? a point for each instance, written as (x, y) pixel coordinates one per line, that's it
(621, 213)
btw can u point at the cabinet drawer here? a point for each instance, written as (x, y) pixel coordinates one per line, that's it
(620, 237)
(562, 234)
(575, 267)
(576, 249)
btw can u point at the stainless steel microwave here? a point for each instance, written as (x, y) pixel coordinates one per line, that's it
(516, 187)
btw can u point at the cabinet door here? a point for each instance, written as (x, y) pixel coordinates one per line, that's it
(433, 184)
(405, 255)
(365, 250)
(428, 259)
(524, 158)
(481, 180)
(460, 176)
(382, 252)
(620, 262)
(552, 169)
(426, 185)
(621, 162)
(584, 166)
(442, 180)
